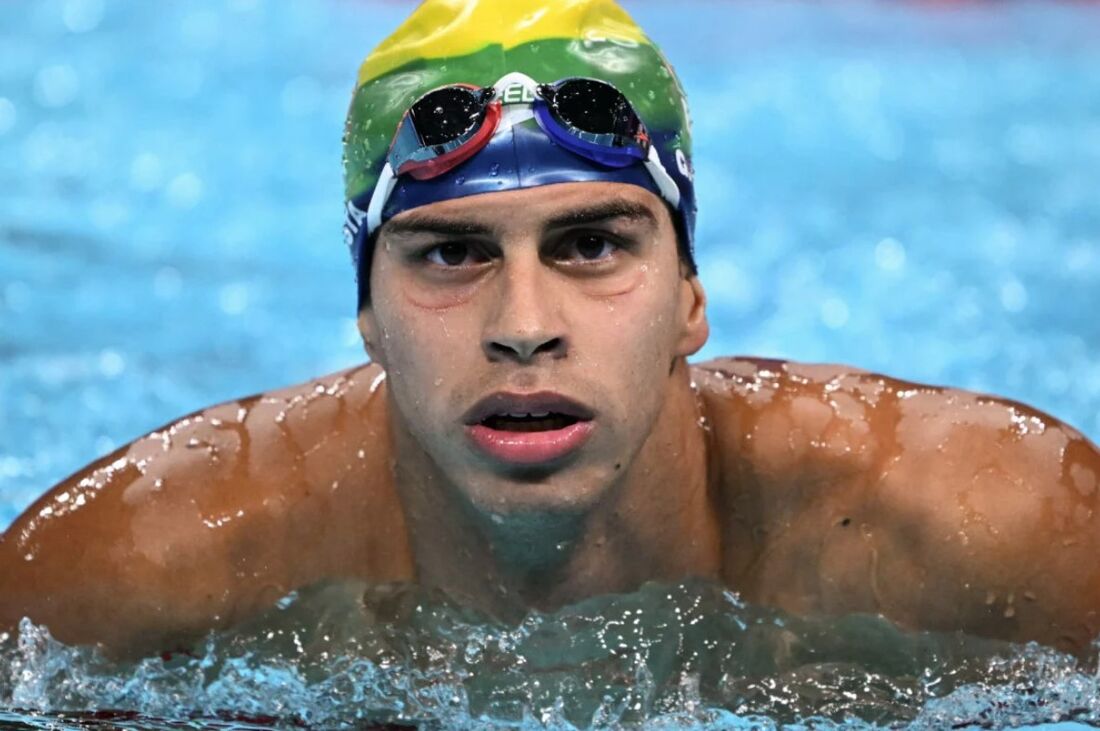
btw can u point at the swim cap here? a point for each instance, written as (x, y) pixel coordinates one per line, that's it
(479, 42)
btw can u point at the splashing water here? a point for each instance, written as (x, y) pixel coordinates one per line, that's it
(691, 655)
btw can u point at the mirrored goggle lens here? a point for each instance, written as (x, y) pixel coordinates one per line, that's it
(595, 107)
(447, 114)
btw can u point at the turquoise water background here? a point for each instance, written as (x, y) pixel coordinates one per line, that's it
(906, 187)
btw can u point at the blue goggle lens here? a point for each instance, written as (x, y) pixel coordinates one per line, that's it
(592, 106)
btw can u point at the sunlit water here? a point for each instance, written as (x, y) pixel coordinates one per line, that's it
(910, 188)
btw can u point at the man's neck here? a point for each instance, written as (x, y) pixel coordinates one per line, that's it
(657, 522)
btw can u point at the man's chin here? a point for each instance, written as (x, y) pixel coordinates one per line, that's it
(562, 490)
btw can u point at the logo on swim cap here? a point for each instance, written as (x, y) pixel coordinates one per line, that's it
(517, 93)
(684, 165)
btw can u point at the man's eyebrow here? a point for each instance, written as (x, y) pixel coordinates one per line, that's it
(420, 223)
(603, 211)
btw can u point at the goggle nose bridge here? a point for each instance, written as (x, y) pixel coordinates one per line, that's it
(516, 88)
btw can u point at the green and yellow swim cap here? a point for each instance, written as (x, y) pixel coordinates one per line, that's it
(478, 42)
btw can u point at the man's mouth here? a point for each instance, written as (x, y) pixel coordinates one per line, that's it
(528, 429)
(538, 421)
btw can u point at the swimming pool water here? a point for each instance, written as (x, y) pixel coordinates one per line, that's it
(689, 656)
(905, 187)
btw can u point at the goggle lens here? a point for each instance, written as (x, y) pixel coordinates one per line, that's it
(447, 114)
(595, 107)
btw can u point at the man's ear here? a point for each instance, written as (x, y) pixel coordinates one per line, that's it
(694, 328)
(369, 330)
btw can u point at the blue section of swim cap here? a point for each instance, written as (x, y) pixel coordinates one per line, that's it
(525, 157)
(679, 167)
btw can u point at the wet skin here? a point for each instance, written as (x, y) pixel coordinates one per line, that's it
(815, 488)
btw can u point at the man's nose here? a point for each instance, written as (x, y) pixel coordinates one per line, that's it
(525, 321)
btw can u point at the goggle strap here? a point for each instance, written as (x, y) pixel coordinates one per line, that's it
(669, 190)
(387, 181)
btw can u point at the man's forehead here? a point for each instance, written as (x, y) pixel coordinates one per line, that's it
(548, 206)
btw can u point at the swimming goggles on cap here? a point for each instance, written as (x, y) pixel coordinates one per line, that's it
(449, 125)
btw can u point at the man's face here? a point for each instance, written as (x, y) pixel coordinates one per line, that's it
(528, 336)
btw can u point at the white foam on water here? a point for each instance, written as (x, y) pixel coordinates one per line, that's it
(690, 655)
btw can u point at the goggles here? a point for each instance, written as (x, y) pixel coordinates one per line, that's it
(449, 125)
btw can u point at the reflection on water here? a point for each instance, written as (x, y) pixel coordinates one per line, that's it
(685, 656)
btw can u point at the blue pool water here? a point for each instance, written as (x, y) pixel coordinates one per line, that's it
(906, 187)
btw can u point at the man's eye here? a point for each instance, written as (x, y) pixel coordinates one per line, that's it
(588, 247)
(451, 254)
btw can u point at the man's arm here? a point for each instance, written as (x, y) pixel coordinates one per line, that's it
(939, 508)
(211, 519)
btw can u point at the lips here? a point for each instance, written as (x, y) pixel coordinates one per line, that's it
(528, 429)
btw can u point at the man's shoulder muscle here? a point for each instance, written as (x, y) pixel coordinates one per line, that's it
(938, 507)
(217, 513)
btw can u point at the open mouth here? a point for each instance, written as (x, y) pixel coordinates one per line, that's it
(528, 429)
(532, 422)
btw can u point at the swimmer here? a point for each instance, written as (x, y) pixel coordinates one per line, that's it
(528, 431)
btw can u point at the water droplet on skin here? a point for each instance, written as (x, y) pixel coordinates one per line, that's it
(438, 382)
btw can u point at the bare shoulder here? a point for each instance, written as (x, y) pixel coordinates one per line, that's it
(212, 516)
(772, 416)
(938, 507)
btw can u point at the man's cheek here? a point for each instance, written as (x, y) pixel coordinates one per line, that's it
(630, 333)
(408, 370)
